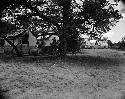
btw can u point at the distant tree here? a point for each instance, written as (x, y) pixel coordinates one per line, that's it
(123, 39)
(105, 38)
(110, 44)
(122, 43)
(70, 18)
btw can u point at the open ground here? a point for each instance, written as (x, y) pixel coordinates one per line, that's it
(93, 74)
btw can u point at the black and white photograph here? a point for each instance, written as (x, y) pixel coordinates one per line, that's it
(62, 49)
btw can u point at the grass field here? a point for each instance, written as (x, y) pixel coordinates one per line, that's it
(93, 74)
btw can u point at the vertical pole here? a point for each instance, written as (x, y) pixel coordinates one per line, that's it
(13, 48)
(21, 45)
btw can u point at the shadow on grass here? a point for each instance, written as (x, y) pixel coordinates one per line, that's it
(2, 95)
(94, 61)
(80, 60)
(27, 59)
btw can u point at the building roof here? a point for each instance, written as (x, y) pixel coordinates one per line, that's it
(84, 36)
(16, 34)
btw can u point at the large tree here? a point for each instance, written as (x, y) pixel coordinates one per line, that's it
(69, 17)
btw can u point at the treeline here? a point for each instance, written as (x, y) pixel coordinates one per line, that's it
(119, 45)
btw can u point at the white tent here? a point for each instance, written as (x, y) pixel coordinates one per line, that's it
(84, 36)
(57, 38)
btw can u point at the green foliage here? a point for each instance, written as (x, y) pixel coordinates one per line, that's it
(68, 17)
(110, 44)
(122, 44)
(6, 28)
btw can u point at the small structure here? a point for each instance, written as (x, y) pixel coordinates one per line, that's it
(92, 43)
(2, 42)
(102, 43)
(24, 40)
(45, 43)
(27, 43)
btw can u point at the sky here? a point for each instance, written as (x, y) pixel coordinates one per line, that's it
(117, 32)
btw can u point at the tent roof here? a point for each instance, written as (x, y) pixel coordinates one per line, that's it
(84, 36)
(16, 34)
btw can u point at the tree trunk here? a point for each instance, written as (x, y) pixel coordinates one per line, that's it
(62, 47)
(14, 47)
(63, 38)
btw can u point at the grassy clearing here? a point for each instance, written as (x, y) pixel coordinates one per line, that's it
(95, 74)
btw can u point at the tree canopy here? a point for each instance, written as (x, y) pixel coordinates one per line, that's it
(67, 18)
